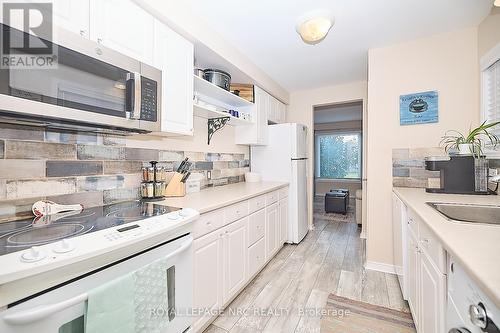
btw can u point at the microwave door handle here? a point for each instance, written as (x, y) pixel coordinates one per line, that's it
(133, 95)
(43, 311)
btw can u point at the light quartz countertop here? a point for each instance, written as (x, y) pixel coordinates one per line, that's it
(475, 246)
(217, 197)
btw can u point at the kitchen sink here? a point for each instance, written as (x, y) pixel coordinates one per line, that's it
(488, 214)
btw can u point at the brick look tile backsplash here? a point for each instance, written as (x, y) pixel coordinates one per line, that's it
(87, 168)
(408, 167)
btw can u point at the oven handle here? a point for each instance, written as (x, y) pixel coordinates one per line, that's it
(43, 311)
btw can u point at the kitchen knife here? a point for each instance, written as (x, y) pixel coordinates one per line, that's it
(186, 176)
(183, 163)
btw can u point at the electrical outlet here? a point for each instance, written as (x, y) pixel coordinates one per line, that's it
(209, 174)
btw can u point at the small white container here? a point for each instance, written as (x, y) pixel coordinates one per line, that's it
(193, 184)
(253, 177)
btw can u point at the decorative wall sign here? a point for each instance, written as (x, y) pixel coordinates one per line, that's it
(419, 108)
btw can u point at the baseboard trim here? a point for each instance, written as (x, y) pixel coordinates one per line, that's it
(381, 267)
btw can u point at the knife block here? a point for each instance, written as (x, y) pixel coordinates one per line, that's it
(175, 187)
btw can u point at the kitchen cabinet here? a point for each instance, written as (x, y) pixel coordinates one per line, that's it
(432, 295)
(124, 27)
(72, 15)
(272, 230)
(413, 253)
(235, 257)
(174, 55)
(425, 275)
(207, 274)
(257, 133)
(231, 246)
(283, 225)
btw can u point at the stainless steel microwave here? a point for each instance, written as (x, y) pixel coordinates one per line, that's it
(92, 88)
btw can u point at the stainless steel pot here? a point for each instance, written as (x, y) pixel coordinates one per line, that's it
(218, 77)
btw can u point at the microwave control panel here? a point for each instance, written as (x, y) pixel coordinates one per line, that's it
(149, 102)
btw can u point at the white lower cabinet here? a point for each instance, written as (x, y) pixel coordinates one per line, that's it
(207, 275)
(230, 247)
(235, 258)
(432, 297)
(283, 225)
(413, 272)
(426, 277)
(272, 230)
(256, 257)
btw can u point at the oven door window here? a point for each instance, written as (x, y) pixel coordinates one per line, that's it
(75, 326)
(79, 81)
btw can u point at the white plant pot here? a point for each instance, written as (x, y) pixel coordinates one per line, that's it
(465, 149)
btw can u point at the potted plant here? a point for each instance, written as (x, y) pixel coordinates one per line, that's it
(473, 143)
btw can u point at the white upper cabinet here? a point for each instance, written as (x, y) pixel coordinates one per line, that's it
(256, 134)
(174, 55)
(124, 27)
(72, 15)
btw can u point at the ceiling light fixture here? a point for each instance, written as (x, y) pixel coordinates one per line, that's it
(315, 25)
(497, 3)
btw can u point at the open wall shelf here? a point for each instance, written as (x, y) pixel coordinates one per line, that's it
(205, 88)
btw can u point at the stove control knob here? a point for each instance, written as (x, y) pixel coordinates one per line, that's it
(33, 255)
(478, 316)
(187, 212)
(174, 216)
(64, 246)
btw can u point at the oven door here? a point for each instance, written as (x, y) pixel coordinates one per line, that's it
(62, 310)
(90, 84)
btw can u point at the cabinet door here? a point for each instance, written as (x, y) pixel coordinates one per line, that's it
(72, 15)
(413, 278)
(124, 27)
(432, 290)
(272, 229)
(207, 277)
(174, 55)
(273, 109)
(283, 207)
(256, 134)
(235, 257)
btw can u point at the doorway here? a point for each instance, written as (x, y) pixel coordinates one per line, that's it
(338, 159)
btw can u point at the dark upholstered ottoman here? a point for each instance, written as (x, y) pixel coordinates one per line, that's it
(336, 202)
(343, 190)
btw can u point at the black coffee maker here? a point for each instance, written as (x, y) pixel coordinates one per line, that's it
(460, 174)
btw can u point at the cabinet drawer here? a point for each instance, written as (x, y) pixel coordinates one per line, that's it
(256, 226)
(207, 223)
(236, 212)
(256, 257)
(256, 203)
(283, 193)
(272, 198)
(430, 244)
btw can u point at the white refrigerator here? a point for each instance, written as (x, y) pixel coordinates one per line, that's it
(285, 159)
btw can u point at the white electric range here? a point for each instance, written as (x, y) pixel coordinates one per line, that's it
(48, 265)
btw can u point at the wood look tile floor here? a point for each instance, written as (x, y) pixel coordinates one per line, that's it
(329, 260)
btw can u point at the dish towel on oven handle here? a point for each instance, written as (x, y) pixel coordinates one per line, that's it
(135, 303)
(110, 307)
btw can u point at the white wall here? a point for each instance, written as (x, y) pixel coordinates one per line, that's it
(447, 63)
(300, 110)
(489, 32)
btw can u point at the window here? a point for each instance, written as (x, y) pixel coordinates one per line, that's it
(338, 155)
(491, 94)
